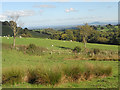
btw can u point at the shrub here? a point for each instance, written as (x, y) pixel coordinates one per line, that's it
(77, 49)
(12, 75)
(32, 49)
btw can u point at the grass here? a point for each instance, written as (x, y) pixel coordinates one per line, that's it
(57, 43)
(12, 58)
(12, 75)
(53, 75)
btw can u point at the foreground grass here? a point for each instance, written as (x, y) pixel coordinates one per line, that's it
(14, 58)
(11, 57)
(55, 75)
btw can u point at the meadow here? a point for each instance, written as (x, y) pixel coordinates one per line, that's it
(59, 54)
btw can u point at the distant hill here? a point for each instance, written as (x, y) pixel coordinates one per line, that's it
(102, 23)
(6, 30)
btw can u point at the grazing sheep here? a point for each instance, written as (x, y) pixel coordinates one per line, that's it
(20, 37)
(52, 45)
(70, 40)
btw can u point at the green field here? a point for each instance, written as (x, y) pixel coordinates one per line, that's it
(61, 49)
(57, 43)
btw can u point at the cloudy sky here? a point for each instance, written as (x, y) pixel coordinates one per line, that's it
(34, 14)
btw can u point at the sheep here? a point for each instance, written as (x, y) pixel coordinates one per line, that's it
(20, 37)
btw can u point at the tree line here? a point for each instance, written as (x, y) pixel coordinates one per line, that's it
(107, 34)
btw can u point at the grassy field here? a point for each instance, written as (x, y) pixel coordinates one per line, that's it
(14, 58)
(57, 43)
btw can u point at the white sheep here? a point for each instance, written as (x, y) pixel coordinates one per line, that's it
(52, 45)
(20, 37)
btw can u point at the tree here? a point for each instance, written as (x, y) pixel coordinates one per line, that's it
(14, 27)
(85, 31)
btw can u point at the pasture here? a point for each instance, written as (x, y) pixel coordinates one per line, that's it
(57, 55)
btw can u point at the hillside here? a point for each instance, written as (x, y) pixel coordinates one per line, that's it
(6, 30)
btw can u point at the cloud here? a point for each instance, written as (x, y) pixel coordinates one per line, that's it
(3, 17)
(44, 6)
(70, 10)
(20, 13)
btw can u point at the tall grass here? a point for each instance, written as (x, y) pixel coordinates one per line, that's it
(45, 75)
(12, 75)
(74, 71)
(42, 75)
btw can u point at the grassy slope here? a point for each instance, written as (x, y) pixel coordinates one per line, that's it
(57, 43)
(13, 57)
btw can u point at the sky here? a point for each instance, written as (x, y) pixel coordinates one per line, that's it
(36, 14)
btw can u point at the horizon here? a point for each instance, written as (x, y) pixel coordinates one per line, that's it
(36, 14)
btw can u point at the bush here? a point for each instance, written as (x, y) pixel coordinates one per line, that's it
(32, 49)
(77, 49)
